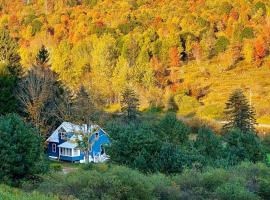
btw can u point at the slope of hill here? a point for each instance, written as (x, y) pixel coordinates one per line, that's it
(185, 53)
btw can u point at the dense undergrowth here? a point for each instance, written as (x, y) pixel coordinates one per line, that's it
(104, 181)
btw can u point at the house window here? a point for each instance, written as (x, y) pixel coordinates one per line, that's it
(76, 152)
(62, 134)
(66, 152)
(102, 150)
(53, 147)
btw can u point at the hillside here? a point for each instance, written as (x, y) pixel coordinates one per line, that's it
(186, 54)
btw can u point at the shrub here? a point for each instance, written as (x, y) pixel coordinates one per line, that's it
(56, 167)
(221, 44)
(116, 183)
(225, 8)
(247, 33)
(235, 192)
(15, 194)
(260, 6)
(36, 26)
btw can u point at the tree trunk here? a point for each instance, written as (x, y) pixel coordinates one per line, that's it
(86, 154)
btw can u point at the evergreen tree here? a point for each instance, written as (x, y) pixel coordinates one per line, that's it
(9, 72)
(129, 104)
(239, 113)
(172, 129)
(83, 107)
(209, 145)
(243, 147)
(21, 150)
(43, 56)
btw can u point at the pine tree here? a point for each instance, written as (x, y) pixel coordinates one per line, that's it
(83, 107)
(9, 72)
(129, 104)
(42, 57)
(240, 114)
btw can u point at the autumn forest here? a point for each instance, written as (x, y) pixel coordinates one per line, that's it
(175, 94)
(189, 55)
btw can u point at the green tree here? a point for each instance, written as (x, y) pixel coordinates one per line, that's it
(221, 44)
(129, 104)
(172, 129)
(43, 56)
(21, 150)
(83, 140)
(8, 102)
(171, 159)
(83, 107)
(239, 113)
(209, 145)
(243, 146)
(135, 145)
(9, 72)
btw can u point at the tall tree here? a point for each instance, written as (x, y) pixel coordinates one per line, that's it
(129, 104)
(83, 107)
(9, 72)
(85, 113)
(239, 113)
(37, 93)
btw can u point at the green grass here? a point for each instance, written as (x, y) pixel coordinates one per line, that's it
(268, 158)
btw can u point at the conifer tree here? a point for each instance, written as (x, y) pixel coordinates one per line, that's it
(129, 104)
(42, 57)
(240, 115)
(83, 107)
(9, 72)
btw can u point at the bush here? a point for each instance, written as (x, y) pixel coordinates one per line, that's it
(15, 194)
(260, 6)
(36, 26)
(56, 167)
(235, 192)
(247, 33)
(225, 8)
(245, 181)
(221, 44)
(116, 183)
(21, 150)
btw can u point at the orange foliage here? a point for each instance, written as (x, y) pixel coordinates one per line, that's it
(259, 51)
(174, 57)
(234, 14)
